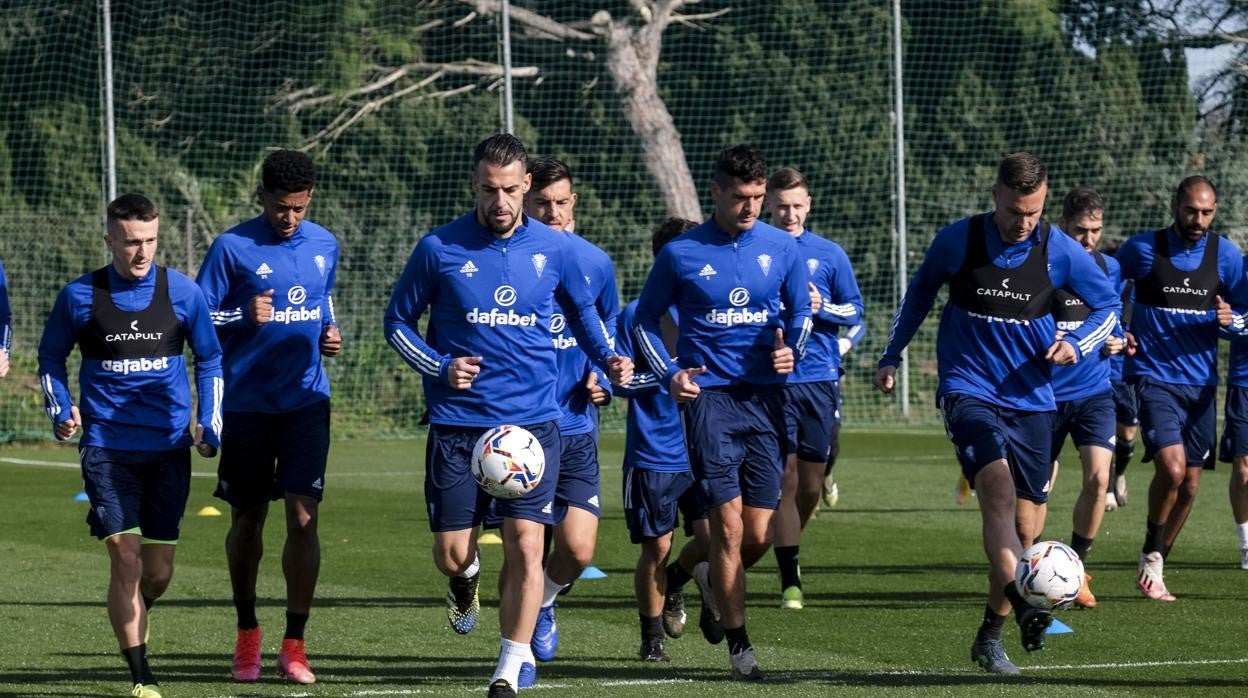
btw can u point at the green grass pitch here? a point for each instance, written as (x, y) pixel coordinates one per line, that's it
(894, 577)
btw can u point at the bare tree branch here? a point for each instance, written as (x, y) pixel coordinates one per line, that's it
(542, 23)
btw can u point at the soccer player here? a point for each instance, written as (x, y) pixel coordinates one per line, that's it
(131, 320)
(269, 282)
(813, 392)
(1183, 275)
(831, 488)
(727, 279)
(1234, 446)
(1085, 402)
(581, 390)
(658, 485)
(1126, 406)
(492, 282)
(994, 349)
(6, 324)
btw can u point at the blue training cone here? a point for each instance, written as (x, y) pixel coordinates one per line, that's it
(1057, 627)
(81, 497)
(592, 572)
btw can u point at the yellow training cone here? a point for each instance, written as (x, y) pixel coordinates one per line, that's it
(209, 511)
(489, 538)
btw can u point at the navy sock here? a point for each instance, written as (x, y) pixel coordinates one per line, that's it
(738, 640)
(1082, 546)
(993, 624)
(246, 609)
(651, 628)
(1154, 537)
(294, 625)
(677, 577)
(148, 602)
(786, 560)
(136, 659)
(1123, 451)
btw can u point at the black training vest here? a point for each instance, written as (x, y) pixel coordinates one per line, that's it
(112, 333)
(1166, 286)
(1068, 307)
(1022, 293)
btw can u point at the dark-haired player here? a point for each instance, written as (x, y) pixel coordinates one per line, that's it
(1184, 277)
(269, 282)
(727, 279)
(130, 321)
(994, 350)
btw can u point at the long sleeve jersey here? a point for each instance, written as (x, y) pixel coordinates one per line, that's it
(654, 437)
(276, 366)
(6, 313)
(134, 391)
(729, 293)
(1178, 338)
(1092, 374)
(1237, 371)
(580, 416)
(495, 298)
(833, 277)
(1001, 359)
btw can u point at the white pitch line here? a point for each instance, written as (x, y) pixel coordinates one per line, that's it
(1137, 665)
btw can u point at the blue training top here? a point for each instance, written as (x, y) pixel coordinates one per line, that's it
(276, 366)
(133, 400)
(833, 276)
(580, 416)
(654, 437)
(6, 313)
(729, 293)
(1179, 345)
(1092, 374)
(495, 298)
(996, 359)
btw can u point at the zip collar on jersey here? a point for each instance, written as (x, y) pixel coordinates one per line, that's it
(1014, 251)
(1181, 245)
(298, 234)
(495, 240)
(118, 282)
(743, 237)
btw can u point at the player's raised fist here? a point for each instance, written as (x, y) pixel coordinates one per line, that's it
(205, 449)
(1132, 345)
(621, 369)
(331, 341)
(260, 308)
(816, 300)
(462, 372)
(66, 429)
(598, 395)
(885, 379)
(782, 356)
(683, 387)
(1225, 316)
(1113, 345)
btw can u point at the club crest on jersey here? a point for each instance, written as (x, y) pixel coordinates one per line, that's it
(264, 270)
(812, 265)
(468, 269)
(764, 262)
(319, 260)
(707, 272)
(539, 263)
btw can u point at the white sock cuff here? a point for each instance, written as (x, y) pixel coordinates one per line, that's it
(551, 590)
(472, 569)
(1243, 534)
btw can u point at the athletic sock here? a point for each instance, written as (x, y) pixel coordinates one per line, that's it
(992, 626)
(677, 577)
(1153, 537)
(246, 609)
(1243, 534)
(786, 560)
(136, 659)
(551, 591)
(510, 656)
(738, 640)
(472, 569)
(1082, 546)
(1015, 599)
(295, 623)
(651, 628)
(1124, 449)
(148, 602)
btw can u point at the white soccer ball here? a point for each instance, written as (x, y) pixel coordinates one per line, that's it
(1049, 575)
(508, 462)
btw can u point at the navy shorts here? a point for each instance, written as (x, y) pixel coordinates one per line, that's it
(1178, 414)
(1126, 403)
(455, 500)
(1088, 421)
(656, 501)
(578, 484)
(982, 432)
(265, 456)
(142, 492)
(1235, 426)
(812, 412)
(737, 443)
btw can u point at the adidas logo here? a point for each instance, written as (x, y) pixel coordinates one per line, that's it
(593, 501)
(317, 485)
(264, 270)
(546, 509)
(707, 272)
(468, 269)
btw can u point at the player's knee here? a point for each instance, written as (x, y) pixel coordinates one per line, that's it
(654, 551)
(156, 581)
